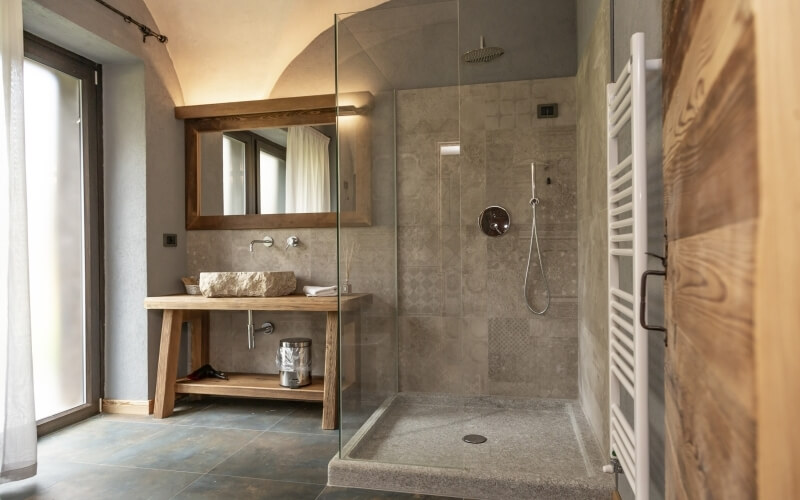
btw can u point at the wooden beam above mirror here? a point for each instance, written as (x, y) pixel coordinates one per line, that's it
(224, 119)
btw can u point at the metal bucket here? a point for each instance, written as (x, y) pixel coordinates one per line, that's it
(294, 362)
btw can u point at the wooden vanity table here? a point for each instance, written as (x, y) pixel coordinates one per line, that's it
(194, 309)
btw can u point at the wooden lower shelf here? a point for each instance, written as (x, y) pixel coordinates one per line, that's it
(251, 385)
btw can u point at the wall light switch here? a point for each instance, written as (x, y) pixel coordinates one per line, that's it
(170, 240)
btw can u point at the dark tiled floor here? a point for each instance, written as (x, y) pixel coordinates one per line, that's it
(209, 449)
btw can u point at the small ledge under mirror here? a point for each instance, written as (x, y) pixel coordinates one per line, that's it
(272, 163)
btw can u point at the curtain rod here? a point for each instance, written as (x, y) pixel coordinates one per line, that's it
(146, 31)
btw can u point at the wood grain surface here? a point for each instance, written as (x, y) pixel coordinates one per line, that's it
(285, 303)
(777, 305)
(711, 195)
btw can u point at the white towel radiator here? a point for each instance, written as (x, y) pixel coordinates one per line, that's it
(627, 244)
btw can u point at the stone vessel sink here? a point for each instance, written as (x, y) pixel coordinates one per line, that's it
(248, 284)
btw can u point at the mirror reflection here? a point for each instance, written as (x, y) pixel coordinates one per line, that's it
(279, 170)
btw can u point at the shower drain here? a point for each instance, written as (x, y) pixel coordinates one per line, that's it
(474, 439)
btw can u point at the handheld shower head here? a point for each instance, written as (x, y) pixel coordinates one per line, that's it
(483, 54)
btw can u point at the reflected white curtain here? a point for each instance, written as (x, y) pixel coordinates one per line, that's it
(308, 175)
(17, 420)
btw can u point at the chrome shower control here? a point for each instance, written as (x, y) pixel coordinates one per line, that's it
(292, 241)
(494, 221)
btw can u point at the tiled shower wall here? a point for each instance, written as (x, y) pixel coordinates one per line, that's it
(464, 327)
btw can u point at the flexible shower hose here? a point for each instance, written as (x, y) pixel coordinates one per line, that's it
(535, 237)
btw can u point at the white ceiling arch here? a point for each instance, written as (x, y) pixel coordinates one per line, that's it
(236, 50)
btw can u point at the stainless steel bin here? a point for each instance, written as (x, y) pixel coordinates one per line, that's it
(294, 362)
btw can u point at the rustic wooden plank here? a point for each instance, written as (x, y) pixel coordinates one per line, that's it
(260, 221)
(710, 285)
(168, 363)
(777, 315)
(251, 385)
(710, 159)
(286, 303)
(331, 396)
(711, 435)
(709, 396)
(255, 107)
(693, 67)
(678, 31)
(199, 326)
(127, 407)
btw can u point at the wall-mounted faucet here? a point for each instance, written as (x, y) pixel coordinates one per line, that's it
(292, 241)
(267, 242)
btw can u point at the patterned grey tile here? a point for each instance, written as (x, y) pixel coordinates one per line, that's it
(301, 458)
(510, 349)
(420, 290)
(419, 245)
(430, 354)
(213, 487)
(556, 367)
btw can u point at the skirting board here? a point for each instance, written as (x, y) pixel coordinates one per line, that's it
(126, 407)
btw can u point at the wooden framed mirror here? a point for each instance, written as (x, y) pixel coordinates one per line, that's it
(273, 163)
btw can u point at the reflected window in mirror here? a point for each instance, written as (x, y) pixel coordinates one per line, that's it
(276, 170)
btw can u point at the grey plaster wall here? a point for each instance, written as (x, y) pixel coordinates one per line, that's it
(463, 325)
(416, 37)
(631, 16)
(144, 186)
(593, 74)
(586, 13)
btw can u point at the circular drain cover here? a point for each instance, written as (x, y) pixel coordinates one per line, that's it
(474, 439)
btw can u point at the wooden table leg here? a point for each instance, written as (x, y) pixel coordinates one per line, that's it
(330, 395)
(168, 363)
(200, 327)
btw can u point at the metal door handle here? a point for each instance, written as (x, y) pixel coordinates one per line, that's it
(643, 304)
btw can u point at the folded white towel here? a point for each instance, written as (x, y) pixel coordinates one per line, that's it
(321, 291)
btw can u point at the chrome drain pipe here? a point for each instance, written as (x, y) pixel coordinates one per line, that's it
(266, 328)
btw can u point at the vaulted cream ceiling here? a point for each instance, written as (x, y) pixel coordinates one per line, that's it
(236, 50)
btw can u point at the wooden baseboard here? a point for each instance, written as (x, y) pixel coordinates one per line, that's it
(616, 496)
(126, 407)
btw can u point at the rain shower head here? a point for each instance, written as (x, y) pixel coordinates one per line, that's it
(483, 54)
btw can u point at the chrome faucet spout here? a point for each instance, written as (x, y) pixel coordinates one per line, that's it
(267, 241)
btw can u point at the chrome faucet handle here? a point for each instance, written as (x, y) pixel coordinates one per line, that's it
(292, 241)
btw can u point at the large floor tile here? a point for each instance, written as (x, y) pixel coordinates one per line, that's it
(213, 487)
(301, 458)
(47, 474)
(181, 448)
(224, 413)
(335, 493)
(306, 419)
(90, 482)
(94, 440)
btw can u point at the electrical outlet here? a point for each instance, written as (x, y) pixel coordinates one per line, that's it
(170, 240)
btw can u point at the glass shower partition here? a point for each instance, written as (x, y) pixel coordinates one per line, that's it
(402, 356)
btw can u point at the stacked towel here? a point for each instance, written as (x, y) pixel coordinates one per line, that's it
(321, 291)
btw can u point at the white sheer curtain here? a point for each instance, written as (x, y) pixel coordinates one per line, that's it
(17, 420)
(308, 175)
